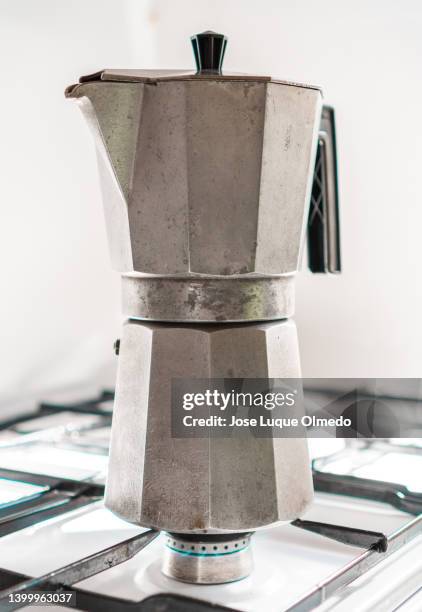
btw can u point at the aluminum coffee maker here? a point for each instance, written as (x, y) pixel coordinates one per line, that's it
(207, 180)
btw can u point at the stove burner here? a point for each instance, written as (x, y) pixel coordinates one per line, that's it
(207, 559)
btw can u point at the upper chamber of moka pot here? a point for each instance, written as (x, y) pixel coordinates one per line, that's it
(202, 173)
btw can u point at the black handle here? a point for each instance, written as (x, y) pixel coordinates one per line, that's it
(323, 221)
(208, 49)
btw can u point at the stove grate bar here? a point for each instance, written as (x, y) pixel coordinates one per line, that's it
(371, 540)
(78, 570)
(396, 495)
(42, 512)
(356, 568)
(90, 406)
(62, 496)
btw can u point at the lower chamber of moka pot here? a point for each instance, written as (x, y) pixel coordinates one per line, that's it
(207, 559)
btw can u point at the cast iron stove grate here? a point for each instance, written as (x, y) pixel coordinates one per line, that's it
(60, 496)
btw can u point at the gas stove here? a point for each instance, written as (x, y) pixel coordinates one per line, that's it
(359, 547)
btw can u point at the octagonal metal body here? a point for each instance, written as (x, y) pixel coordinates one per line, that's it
(201, 484)
(204, 176)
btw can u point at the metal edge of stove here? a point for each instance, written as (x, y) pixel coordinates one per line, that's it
(162, 602)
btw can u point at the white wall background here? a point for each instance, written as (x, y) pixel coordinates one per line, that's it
(59, 311)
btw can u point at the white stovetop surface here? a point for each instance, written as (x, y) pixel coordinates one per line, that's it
(288, 561)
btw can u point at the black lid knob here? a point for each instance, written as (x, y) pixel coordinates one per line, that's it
(209, 48)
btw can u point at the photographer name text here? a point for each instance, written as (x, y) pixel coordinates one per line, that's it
(222, 402)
